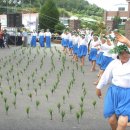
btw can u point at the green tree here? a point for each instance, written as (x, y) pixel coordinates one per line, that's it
(59, 28)
(49, 16)
(117, 21)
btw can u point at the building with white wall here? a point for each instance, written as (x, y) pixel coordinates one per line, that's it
(30, 21)
(120, 10)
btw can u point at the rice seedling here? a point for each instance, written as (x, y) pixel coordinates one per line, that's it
(78, 116)
(40, 84)
(10, 88)
(15, 84)
(21, 89)
(37, 104)
(45, 81)
(15, 94)
(52, 91)
(51, 113)
(5, 100)
(6, 109)
(30, 95)
(28, 111)
(62, 115)
(81, 105)
(59, 107)
(28, 85)
(1, 93)
(71, 107)
(46, 95)
(63, 99)
(35, 89)
(33, 81)
(83, 85)
(8, 80)
(94, 103)
(68, 92)
(19, 80)
(82, 98)
(14, 103)
(81, 112)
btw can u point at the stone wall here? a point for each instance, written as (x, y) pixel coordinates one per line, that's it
(127, 29)
(74, 24)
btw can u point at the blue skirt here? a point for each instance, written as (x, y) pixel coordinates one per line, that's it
(33, 41)
(75, 49)
(48, 41)
(41, 41)
(82, 51)
(70, 45)
(99, 58)
(65, 44)
(105, 61)
(93, 54)
(117, 101)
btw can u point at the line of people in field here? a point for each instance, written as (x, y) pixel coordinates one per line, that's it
(42, 37)
(81, 43)
(111, 52)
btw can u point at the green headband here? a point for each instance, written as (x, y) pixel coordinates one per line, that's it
(119, 49)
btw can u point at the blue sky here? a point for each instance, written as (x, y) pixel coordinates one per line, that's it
(106, 4)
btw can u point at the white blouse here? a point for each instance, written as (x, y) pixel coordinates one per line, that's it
(94, 44)
(48, 34)
(41, 34)
(117, 74)
(76, 40)
(83, 42)
(106, 49)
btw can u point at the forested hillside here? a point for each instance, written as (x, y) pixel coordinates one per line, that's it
(77, 7)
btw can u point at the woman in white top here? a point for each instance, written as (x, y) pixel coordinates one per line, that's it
(48, 38)
(93, 52)
(75, 46)
(117, 99)
(106, 59)
(62, 40)
(82, 50)
(33, 39)
(41, 38)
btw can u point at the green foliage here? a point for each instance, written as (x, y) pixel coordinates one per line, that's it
(63, 115)
(117, 21)
(119, 49)
(59, 106)
(59, 28)
(37, 104)
(78, 116)
(63, 13)
(27, 111)
(94, 104)
(6, 109)
(49, 16)
(97, 26)
(51, 113)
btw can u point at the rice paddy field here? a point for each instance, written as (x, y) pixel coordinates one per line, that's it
(44, 89)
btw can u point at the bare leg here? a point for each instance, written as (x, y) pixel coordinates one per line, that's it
(113, 122)
(122, 123)
(65, 51)
(76, 58)
(82, 60)
(96, 82)
(63, 48)
(93, 66)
